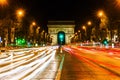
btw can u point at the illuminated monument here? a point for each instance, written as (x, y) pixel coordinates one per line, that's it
(61, 32)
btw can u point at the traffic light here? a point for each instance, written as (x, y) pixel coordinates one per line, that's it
(105, 41)
(61, 38)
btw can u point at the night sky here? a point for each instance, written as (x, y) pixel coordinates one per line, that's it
(78, 10)
(63, 9)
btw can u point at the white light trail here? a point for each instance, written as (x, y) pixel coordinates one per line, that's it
(41, 68)
(23, 65)
(13, 60)
(30, 68)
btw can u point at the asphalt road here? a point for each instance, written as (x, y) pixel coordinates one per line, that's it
(48, 63)
(85, 65)
(74, 69)
(30, 64)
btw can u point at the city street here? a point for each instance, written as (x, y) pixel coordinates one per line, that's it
(59, 40)
(30, 63)
(67, 63)
(91, 63)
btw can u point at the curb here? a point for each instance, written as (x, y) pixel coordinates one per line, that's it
(58, 76)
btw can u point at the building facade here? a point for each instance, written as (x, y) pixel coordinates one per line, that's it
(55, 27)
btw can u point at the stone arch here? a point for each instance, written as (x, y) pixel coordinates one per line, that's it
(54, 27)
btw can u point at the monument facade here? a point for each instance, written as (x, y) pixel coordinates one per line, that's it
(55, 27)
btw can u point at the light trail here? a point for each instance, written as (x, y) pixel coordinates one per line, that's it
(23, 62)
(29, 68)
(41, 68)
(17, 59)
(28, 65)
(98, 57)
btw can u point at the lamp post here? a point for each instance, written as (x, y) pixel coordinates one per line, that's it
(84, 28)
(33, 29)
(17, 24)
(31, 32)
(85, 35)
(35, 33)
(79, 36)
(103, 24)
(99, 34)
(89, 30)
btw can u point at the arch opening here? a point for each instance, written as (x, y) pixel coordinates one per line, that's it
(61, 38)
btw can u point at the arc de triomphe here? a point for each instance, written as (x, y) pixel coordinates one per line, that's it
(54, 27)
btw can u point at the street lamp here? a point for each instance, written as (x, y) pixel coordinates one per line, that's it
(100, 13)
(103, 21)
(20, 13)
(89, 23)
(79, 35)
(3, 2)
(33, 23)
(89, 29)
(100, 24)
(84, 27)
(34, 31)
(18, 22)
(117, 3)
(79, 31)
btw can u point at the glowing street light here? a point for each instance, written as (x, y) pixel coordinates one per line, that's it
(117, 2)
(79, 35)
(100, 13)
(89, 23)
(20, 13)
(103, 18)
(103, 24)
(79, 31)
(3, 2)
(84, 27)
(33, 23)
